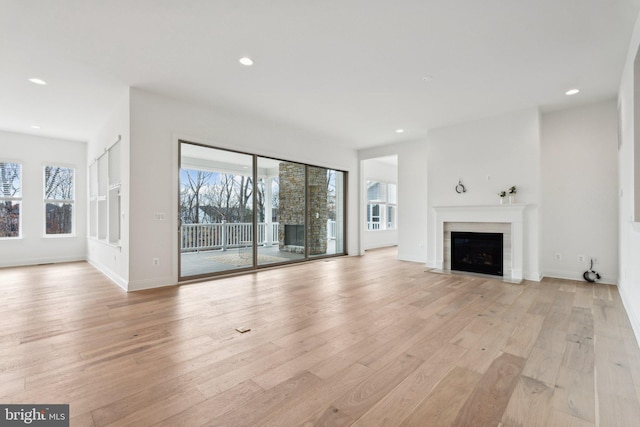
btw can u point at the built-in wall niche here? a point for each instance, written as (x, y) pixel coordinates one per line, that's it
(636, 137)
(104, 196)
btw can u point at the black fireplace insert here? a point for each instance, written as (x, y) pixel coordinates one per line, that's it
(294, 235)
(477, 252)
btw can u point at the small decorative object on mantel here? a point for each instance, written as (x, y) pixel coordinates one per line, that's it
(460, 188)
(512, 194)
(502, 195)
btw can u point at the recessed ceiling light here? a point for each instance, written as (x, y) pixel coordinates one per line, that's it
(572, 91)
(37, 81)
(246, 61)
(35, 127)
(399, 130)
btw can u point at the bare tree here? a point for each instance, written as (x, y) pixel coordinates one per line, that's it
(9, 209)
(58, 183)
(260, 199)
(192, 193)
(228, 183)
(58, 193)
(9, 179)
(244, 194)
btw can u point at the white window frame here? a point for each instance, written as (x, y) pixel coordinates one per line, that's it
(105, 202)
(392, 224)
(385, 202)
(17, 199)
(71, 201)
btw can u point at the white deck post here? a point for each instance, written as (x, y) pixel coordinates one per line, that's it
(224, 234)
(268, 212)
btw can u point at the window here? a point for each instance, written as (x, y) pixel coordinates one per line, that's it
(10, 199)
(58, 200)
(391, 207)
(381, 205)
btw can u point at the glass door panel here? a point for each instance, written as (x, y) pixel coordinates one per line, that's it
(216, 210)
(281, 213)
(337, 211)
(325, 211)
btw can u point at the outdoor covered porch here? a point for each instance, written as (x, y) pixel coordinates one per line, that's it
(297, 211)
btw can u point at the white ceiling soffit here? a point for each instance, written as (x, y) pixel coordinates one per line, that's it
(387, 160)
(353, 69)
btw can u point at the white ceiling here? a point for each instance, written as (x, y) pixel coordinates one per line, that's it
(352, 70)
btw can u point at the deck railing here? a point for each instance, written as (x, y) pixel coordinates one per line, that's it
(331, 230)
(204, 237)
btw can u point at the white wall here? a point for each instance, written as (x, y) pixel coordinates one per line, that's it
(113, 260)
(156, 125)
(628, 230)
(34, 153)
(384, 172)
(579, 214)
(488, 156)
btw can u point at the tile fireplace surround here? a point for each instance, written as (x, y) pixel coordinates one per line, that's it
(506, 219)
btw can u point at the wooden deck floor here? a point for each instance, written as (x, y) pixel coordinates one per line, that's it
(363, 341)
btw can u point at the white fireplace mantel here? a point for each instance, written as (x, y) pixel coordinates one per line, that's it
(512, 214)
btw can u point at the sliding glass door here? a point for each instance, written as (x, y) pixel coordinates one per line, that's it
(299, 211)
(216, 210)
(281, 213)
(325, 189)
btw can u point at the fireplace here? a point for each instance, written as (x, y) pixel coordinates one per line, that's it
(505, 219)
(294, 235)
(477, 252)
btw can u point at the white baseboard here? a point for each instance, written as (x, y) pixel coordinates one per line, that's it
(112, 275)
(607, 280)
(37, 261)
(156, 282)
(403, 257)
(633, 319)
(534, 277)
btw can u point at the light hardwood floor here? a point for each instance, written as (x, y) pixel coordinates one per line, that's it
(363, 341)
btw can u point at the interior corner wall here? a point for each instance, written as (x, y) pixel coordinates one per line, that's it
(579, 214)
(487, 156)
(157, 123)
(383, 172)
(628, 230)
(34, 152)
(113, 260)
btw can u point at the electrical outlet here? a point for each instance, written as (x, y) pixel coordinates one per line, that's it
(594, 259)
(156, 261)
(558, 257)
(581, 258)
